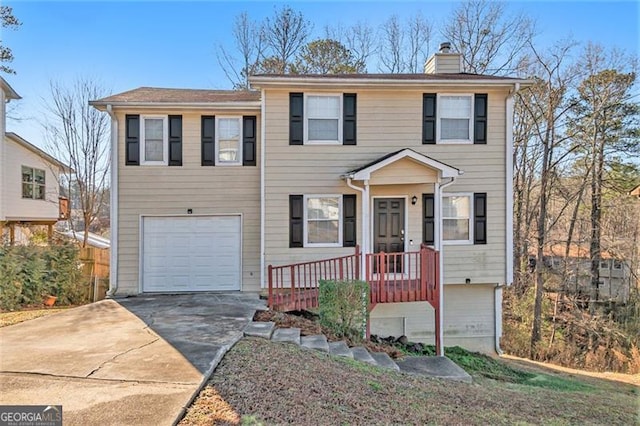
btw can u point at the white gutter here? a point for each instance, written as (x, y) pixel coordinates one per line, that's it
(263, 110)
(365, 221)
(310, 81)
(240, 105)
(497, 302)
(438, 199)
(113, 262)
(509, 105)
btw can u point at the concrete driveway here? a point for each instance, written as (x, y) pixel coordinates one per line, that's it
(135, 361)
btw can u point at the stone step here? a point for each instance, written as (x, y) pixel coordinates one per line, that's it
(317, 342)
(383, 360)
(340, 349)
(259, 329)
(286, 335)
(362, 354)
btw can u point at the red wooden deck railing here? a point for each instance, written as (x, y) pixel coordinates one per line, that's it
(392, 277)
(295, 287)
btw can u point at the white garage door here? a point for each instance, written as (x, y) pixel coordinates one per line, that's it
(190, 253)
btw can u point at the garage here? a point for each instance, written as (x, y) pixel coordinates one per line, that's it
(191, 253)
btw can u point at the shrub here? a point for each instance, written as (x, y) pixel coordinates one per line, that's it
(29, 272)
(343, 307)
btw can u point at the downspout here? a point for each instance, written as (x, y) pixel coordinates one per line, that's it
(365, 215)
(439, 239)
(113, 210)
(263, 108)
(509, 102)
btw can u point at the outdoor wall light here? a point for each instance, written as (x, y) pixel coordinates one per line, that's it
(414, 200)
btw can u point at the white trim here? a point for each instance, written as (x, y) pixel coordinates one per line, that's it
(220, 162)
(305, 119)
(261, 141)
(364, 194)
(406, 219)
(200, 106)
(306, 243)
(444, 169)
(113, 209)
(141, 247)
(509, 187)
(440, 248)
(497, 304)
(471, 217)
(165, 140)
(439, 140)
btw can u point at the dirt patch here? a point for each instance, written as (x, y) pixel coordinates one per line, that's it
(261, 382)
(308, 325)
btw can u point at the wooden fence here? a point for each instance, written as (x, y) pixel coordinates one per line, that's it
(95, 271)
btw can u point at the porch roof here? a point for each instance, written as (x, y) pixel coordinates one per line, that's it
(364, 172)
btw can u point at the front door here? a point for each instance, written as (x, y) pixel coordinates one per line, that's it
(388, 226)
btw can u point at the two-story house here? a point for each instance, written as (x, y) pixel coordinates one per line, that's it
(29, 181)
(211, 187)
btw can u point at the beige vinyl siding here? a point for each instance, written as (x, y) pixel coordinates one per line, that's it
(443, 63)
(207, 190)
(16, 207)
(406, 171)
(387, 121)
(469, 318)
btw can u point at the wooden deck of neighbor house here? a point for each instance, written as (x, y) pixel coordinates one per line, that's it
(392, 278)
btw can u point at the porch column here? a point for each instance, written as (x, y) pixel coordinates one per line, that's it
(365, 229)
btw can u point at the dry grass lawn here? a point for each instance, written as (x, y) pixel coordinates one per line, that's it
(10, 318)
(260, 382)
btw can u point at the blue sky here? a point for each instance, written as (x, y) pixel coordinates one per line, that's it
(125, 45)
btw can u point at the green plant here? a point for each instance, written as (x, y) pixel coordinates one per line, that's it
(343, 307)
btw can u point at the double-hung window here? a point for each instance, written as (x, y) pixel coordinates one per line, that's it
(456, 218)
(323, 115)
(229, 141)
(455, 118)
(322, 220)
(154, 136)
(33, 183)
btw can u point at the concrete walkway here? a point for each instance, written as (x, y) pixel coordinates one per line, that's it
(135, 361)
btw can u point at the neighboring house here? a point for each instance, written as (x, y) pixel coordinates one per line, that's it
(635, 191)
(29, 182)
(616, 278)
(214, 186)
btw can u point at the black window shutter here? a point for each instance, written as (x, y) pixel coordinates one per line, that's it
(175, 140)
(429, 118)
(349, 119)
(296, 216)
(296, 119)
(349, 220)
(428, 219)
(480, 119)
(208, 149)
(132, 142)
(480, 218)
(249, 140)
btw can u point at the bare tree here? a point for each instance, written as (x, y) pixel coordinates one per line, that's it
(391, 46)
(490, 41)
(284, 34)
(358, 38)
(78, 135)
(9, 21)
(419, 38)
(248, 38)
(404, 47)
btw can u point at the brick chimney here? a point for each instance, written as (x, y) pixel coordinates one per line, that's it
(444, 62)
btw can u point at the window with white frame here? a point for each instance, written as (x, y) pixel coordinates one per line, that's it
(322, 220)
(455, 117)
(228, 141)
(323, 115)
(33, 183)
(154, 136)
(456, 218)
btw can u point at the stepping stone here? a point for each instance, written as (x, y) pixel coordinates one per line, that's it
(286, 335)
(434, 366)
(340, 349)
(259, 329)
(317, 342)
(362, 355)
(383, 360)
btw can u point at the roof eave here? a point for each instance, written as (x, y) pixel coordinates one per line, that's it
(8, 90)
(232, 105)
(35, 150)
